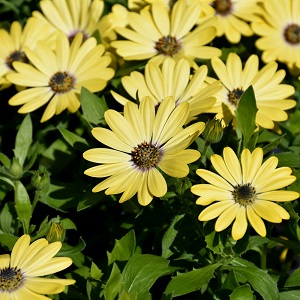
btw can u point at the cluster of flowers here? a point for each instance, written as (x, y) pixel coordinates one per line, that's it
(56, 54)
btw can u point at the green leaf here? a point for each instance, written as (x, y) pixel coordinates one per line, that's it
(113, 284)
(186, 283)
(243, 292)
(96, 273)
(170, 236)
(273, 144)
(246, 115)
(74, 140)
(123, 249)
(294, 279)
(23, 140)
(67, 250)
(5, 160)
(8, 240)
(23, 205)
(259, 279)
(248, 243)
(141, 272)
(290, 295)
(93, 107)
(288, 159)
(6, 218)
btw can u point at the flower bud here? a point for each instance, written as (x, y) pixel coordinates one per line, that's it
(16, 169)
(56, 232)
(213, 131)
(41, 180)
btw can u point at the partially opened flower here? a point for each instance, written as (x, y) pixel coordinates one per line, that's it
(143, 143)
(280, 32)
(71, 16)
(20, 272)
(270, 95)
(231, 18)
(160, 32)
(56, 77)
(244, 191)
(172, 79)
(14, 42)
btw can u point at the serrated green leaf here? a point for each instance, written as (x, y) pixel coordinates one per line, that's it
(185, 283)
(96, 273)
(141, 272)
(74, 140)
(123, 249)
(170, 236)
(288, 159)
(23, 140)
(113, 284)
(93, 107)
(22, 204)
(243, 292)
(259, 279)
(246, 115)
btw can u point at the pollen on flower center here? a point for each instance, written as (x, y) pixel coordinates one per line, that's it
(16, 56)
(168, 45)
(222, 7)
(244, 194)
(235, 95)
(61, 82)
(146, 156)
(292, 34)
(10, 279)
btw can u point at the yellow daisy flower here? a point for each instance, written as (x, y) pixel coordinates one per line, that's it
(172, 79)
(280, 32)
(13, 43)
(161, 32)
(143, 142)
(244, 191)
(20, 272)
(58, 76)
(231, 18)
(71, 16)
(269, 93)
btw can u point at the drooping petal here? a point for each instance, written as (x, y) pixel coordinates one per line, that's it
(226, 218)
(240, 224)
(256, 221)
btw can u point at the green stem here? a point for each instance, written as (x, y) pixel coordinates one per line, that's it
(35, 200)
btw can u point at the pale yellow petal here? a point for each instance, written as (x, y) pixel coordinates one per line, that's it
(214, 179)
(104, 155)
(267, 210)
(174, 168)
(215, 210)
(240, 224)
(226, 217)
(280, 196)
(17, 252)
(256, 221)
(156, 183)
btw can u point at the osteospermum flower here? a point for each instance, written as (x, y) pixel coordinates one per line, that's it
(20, 272)
(143, 142)
(244, 191)
(231, 18)
(269, 93)
(172, 79)
(58, 76)
(71, 16)
(14, 41)
(161, 32)
(280, 32)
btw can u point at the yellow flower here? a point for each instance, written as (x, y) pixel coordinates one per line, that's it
(269, 93)
(172, 79)
(244, 191)
(14, 42)
(143, 142)
(57, 76)
(279, 31)
(71, 16)
(161, 32)
(20, 272)
(231, 18)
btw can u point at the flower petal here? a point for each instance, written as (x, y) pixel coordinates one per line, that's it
(215, 210)
(240, 224)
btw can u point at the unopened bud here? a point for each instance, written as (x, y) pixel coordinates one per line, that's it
(56, 233)
(41, 180)
(16, 169)
(213, 131)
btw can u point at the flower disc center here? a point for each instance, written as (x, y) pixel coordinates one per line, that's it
(235, 95)
(292, 34)
(61, 82)
(222, 7)
(244, 194)
(10, 279)
(168, 45)
(146, 156)
(16, 56)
